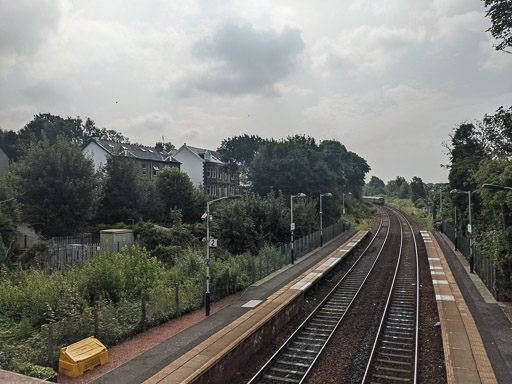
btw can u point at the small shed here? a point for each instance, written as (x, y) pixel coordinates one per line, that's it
(115, 239)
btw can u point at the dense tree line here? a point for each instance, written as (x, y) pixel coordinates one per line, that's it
(54, 188)
(480, 153)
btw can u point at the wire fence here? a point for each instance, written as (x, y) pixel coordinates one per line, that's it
(112, 322)
(483, 265)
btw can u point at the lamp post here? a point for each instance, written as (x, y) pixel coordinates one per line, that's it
(321, 213)
(292, 224)
(470, 230)
(455, 215)
(343, 204)
(496, 187)
(207, 261)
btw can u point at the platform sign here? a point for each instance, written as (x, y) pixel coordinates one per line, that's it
(469, 228)
(213, 243)
(292, 227)
(207, 262)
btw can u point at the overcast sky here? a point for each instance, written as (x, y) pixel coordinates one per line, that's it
(389, 79)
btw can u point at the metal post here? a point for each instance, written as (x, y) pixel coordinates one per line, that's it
(471, 257)
(207, 259)
(441, 207)
(456, 242)
(292, 228)
(321, 229)
(321, 214)
(292, 225)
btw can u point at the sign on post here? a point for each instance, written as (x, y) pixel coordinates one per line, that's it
(469, 228)
(292, 227)
(213, 243)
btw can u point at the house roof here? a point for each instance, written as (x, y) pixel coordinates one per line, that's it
(203, 154)
(140, 152)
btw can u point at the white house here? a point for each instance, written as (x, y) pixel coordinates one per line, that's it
(205, 169)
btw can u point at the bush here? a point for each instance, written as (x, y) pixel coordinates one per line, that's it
(33, 370)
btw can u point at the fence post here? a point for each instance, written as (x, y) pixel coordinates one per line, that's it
(96, 321)
(177, 298)
(50, 343)
(143, 311)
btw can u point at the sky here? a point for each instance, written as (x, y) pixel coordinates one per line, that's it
(390, 79)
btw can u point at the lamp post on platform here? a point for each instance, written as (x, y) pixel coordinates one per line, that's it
(321, 213)
(206, 215)
(292, 224)
(470, 230)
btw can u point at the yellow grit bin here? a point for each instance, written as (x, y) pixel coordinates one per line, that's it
(77, 358)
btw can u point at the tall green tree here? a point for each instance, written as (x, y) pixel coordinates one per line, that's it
(123, 191)
(177, 193)
(55, 185)
(417, 189)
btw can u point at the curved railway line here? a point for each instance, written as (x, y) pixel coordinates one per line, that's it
(295, 359)
(394, 357)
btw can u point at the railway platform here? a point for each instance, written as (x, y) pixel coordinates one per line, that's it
(477, 336)
(204, 351)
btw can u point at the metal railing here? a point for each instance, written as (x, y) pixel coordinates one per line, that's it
(483, 265)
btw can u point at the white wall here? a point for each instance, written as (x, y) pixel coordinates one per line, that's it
(98, 154)
(191, 164)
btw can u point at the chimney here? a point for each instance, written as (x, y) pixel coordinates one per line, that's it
(159, 147)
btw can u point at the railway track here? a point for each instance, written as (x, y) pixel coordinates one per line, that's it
(296, 357)
(394, 357)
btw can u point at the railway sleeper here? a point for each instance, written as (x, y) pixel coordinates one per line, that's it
(398, 337)
(293, 363)
(397, 343)
(391, 369)
(281, 379)
(395, 362)
(288, 371)
(310, 338)
(397, 349)
(395, 355)
(392, 379)
(301, 350)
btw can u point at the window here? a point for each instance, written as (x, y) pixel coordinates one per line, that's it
(225, 175)
(155, 170)
(144, 169)
(214, 173)
(208, 172)
(209, 189)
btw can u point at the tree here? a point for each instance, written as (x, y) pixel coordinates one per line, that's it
(51, 127)
(176, 192)
(9, 220)
(398, 188)
(238, 152)
(417, 189)
(375, 187)
(168, 146)
(497, 130)
(123, 191)
(500, 12)
(55, 185)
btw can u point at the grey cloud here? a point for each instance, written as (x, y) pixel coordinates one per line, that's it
(243, 59)
(25, 23)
